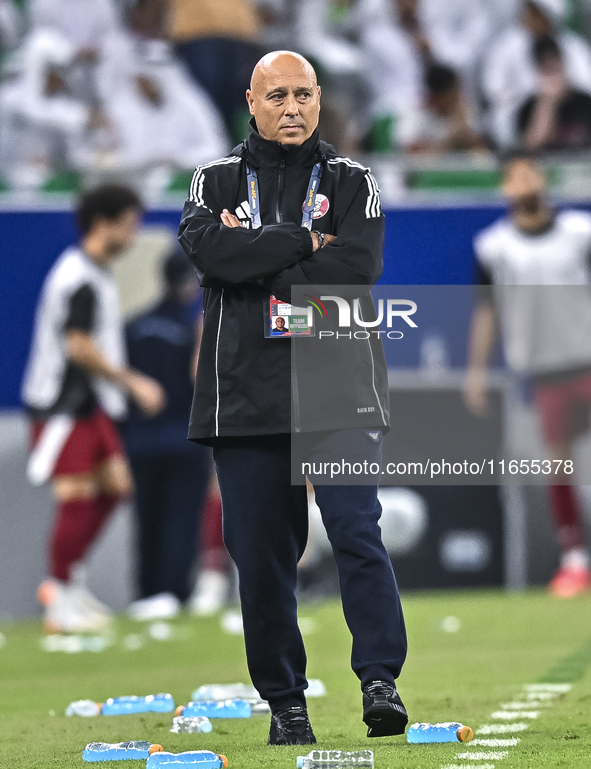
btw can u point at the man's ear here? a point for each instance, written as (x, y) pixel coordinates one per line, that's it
(250, 99)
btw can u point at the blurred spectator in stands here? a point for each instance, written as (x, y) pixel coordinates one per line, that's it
(445, 122)
(332, 42)
(456, 32)
(278, 24)
(159, 117)
(218, 43)
(509, 72)
(10, 26)
(402, 37)
(558, 116)
(171, 474)
(87, 25)
(394, 68)
(42, 126)
(503, 13)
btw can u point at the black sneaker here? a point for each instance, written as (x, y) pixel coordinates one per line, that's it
(291, 727)
(383, 711)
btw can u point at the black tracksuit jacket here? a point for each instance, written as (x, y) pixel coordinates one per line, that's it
(247, 385)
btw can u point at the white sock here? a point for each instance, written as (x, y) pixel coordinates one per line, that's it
(576, 558)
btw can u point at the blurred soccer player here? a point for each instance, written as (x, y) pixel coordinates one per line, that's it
(75, 385)
(537, 246)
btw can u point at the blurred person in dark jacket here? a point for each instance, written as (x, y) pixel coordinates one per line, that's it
(558, 115)
(218, 43)
(171, 474)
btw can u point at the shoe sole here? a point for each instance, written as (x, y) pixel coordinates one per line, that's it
(296, 742)
(385, 722)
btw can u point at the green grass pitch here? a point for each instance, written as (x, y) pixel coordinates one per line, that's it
(504, 642)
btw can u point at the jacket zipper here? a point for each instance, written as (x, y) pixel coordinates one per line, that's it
(295, 386)
(280, 184)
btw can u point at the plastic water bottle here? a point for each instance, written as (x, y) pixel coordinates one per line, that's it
(204, 759)
(191, 725)
(450, 731)
(119, 751)
(220, 692)
(335, 759)
(85, 708)
(212, 709)
(156, 703)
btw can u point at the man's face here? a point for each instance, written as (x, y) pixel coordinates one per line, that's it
(280, 324)
(119, 234)
(285, 100)
(523, 181)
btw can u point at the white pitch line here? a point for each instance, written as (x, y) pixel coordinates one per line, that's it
(498, 755)
(545, 696)
(558, 688)
(468, 766)
(502, 728)
(511, 742)
(536, 695)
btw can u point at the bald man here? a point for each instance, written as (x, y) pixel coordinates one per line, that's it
(282, 210)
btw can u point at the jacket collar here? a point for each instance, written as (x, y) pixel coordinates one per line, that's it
(261, 152)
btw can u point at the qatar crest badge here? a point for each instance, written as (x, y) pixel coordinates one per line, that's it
(321, 206)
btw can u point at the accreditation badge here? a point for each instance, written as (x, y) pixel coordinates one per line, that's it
(287, 320)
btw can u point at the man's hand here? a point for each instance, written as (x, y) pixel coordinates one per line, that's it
(146, 392)
(327, 239)
(229, 219)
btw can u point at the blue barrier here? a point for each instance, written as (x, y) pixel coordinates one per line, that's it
(426, 246)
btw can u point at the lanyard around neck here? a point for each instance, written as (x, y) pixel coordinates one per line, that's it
(254, 199)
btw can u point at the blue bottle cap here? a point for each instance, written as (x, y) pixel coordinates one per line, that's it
(300, 762)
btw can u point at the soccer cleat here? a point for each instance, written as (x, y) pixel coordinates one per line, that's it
(67, 611)
(90, 602)
(160, 606)
(570, 581)
(291, 727)
(383, 711)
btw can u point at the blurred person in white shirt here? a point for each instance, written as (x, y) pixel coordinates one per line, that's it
(10, 25)
(333, 42)
(42, 126)
(444, 123)
(401, 38)
(278, 23)
(88, 26)
(509, 73)
(85, 23)
(158, 115)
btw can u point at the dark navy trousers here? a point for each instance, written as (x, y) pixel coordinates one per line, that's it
(265, 530)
